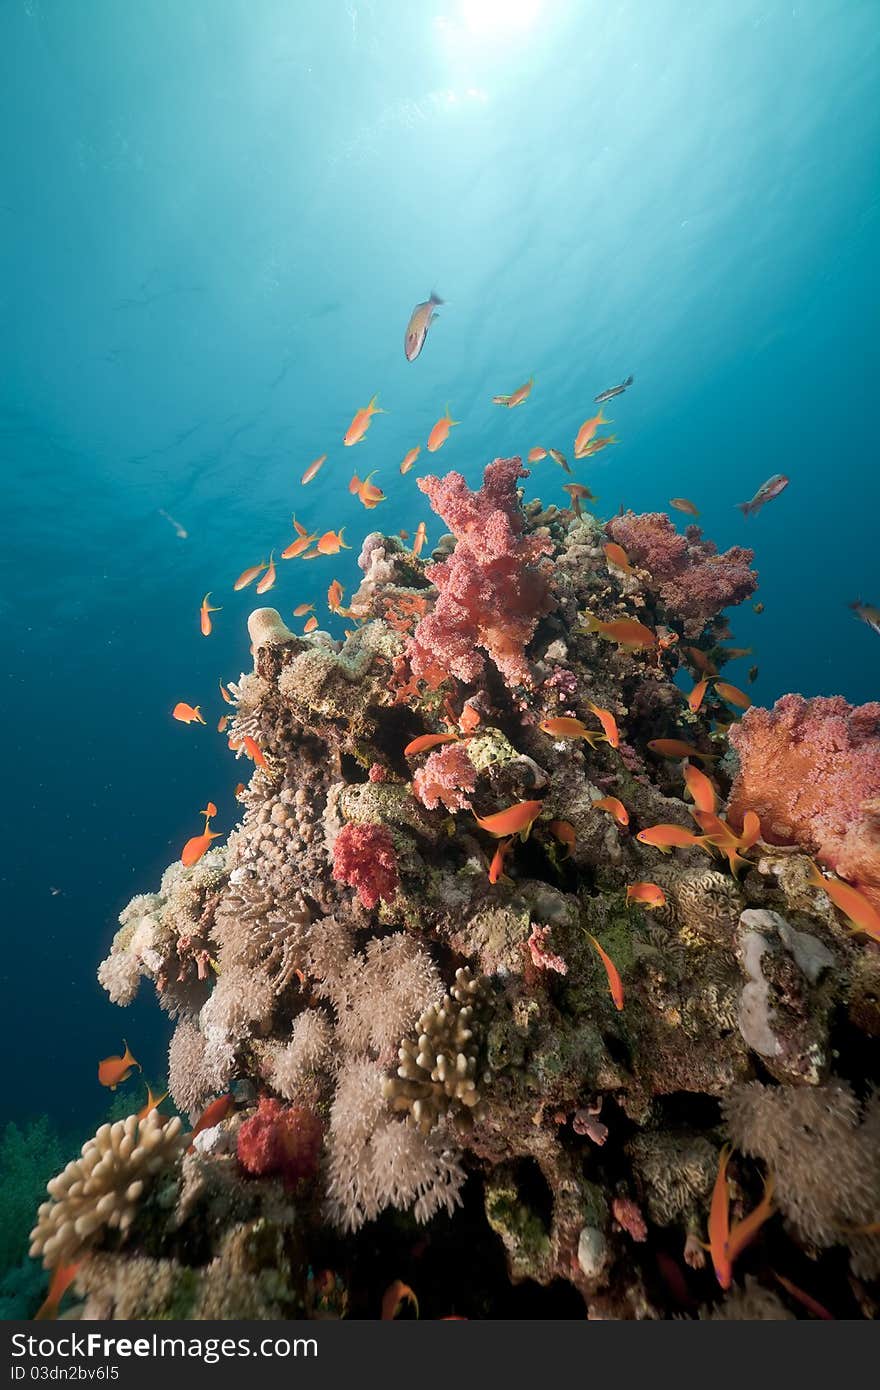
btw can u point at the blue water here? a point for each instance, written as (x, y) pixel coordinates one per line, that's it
(215, 219)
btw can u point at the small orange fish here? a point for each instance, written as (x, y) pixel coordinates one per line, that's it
(187, 714)
(609, 724)
(62, 1278)
(732, 653)
(702, 662)
(114, 1069)
(698, 694)
(394, 1298)
(579, 492)
(646, 894)
(596, 446)
(536, 454)
(732, 694)
(253, 750)
(470, 719)
(225, 694)
(626, 632)
(409, 458)
(221, 723)
(426, 741)
(617, 556)
(302, 609)
(614, 807)
(197, 846)
(751, 830)
(212, 1115)
(564, 727)
(615, 984)
(209, 812)
(298, 547)
(365, 491)
(678, 748)
(239, 788)
(420, 537)
(818, 1310)
(586, 432)
(334, 596)
(564, 832)
(496, 868)
(313, 468)
(719, 1223)
(668, 837)
(310, 624)
(701, 790)
(559, 458)
(514, 820)
(744, 1232)
(151, 1103)
(205, 615)
(331, 543)
(862, 914)
(440, 433)
(361, 422)
(269, 577)
(681, 504)
(248, 576)
(521, 394)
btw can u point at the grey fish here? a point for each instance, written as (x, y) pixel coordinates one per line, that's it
(613, 391)
(766, 492)
(422, 317)
(867, 613)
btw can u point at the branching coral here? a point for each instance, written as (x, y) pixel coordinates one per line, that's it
(491, 590)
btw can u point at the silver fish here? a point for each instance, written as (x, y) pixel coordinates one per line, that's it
(766, 492)
(613, 391)
(867, 613)
(422, 317)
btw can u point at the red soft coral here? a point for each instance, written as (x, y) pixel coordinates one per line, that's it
(281, 1141)
(811, 769)
(690, 576)
(445, 778)
(364, 857)
(491, 591)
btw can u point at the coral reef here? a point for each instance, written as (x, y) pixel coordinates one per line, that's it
(389, 976)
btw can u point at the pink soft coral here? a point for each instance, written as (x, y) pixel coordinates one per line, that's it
(811, 769)
(491, 591)
(364, 857)
(690, 576)
(281, 1141)
(445, 778)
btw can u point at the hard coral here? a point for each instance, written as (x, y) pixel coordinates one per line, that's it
(491, 591)
(689, 575)
(810, 769)
(364, 858)
(281, 1140)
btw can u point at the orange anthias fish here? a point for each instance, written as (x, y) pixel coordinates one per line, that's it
(596, 446)
(209, 811)
(225, 694)
(420, 537)
(559, 458)
(565, 727)
(578, 494)
(732, 694)
(205, 616)
(678, 748)
(254, 752)
(239, 788)
(609, 724)
(626, 632)
(521, 394)
(470, 719)
(187, 714)
(702, 662)
(211, 1116)
(615, 984)
(334, 596)
(269, 577)
(365, 491)
(496, 868)
(862, 914)
(515, 820)
(617, 556)
(248, 576)
(698, 694)
(726, 1243)
(681, 504)
(440, 433)
(331, 543)
(751, 830)
(394, 1298)
(310, 624)
(198, 845)
(361, 422)
(536, 454)
(586, 432)
(646, 894)
(113, 1070)
(62, 1278)
(426, 741)
(221, 723)
(806, 1300)
(313, 469)
(668, 837)
(564, 832)
(614, 807)
(702, 791)
(298, 547)
(151, 1103)
(302, 609)
(410, 458)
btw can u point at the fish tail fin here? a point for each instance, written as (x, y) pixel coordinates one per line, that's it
(590, 621)
(744, 507)
(629, 381)
(375, 409)
(434, 298)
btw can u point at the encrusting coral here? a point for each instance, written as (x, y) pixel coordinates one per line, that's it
(414, 979)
